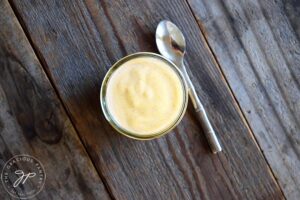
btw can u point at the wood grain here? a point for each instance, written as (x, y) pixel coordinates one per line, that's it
(79, 40)
(33, 122)
(257, 45)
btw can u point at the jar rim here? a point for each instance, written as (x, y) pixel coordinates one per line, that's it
(109, 117)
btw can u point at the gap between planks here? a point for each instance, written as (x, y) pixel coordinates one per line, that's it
(44, 67)
(238, 106)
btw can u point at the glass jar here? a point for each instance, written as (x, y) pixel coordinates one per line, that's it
(109, 116)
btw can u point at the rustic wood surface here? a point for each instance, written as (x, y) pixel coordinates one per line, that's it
(78, 41)
(251, 45)
(32, 121)
(257, 44)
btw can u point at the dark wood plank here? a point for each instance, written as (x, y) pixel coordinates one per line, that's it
(79, 40)
(257, 45)
(32, 121)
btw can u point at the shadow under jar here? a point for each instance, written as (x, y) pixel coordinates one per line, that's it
(143, 96)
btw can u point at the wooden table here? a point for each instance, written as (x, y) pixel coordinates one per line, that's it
(243, 57)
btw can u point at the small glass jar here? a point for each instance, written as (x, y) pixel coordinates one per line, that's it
(110, 118)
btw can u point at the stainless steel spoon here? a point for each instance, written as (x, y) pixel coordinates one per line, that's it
(171, 44)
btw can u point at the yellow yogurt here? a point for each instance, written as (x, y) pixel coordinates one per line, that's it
(145, 95)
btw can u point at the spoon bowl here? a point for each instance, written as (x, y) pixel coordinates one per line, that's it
(170, 42)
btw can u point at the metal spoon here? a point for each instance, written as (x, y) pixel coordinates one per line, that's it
(171, 44)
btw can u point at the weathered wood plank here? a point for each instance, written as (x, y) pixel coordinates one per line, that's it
(257, 45)
(32, 121)
(79, 40)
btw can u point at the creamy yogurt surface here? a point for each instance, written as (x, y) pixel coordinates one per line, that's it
(145, 95)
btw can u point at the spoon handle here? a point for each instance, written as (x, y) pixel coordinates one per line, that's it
(202, 116)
